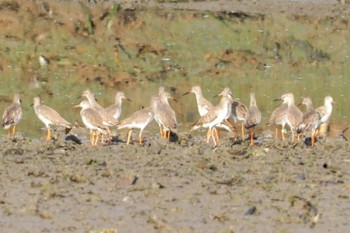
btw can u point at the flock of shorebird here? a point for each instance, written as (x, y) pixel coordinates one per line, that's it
(99, 119)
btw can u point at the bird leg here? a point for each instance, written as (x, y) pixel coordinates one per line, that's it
(161, 131)
(292, 135)
(276, 133)
(208, 135)
(243, 136)
(312, 138)
(48, 137)
(252, 137)
(109, 135)
(13, 130)
(217, 134)
(97, 135)
(213, 138)
(168, 135)
(140, 137)
(91, 136)
(282, 133)
(129, 136)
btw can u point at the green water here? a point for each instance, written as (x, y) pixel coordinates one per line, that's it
(266, 55)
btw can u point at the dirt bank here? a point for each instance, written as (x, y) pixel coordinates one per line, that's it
(186, 186)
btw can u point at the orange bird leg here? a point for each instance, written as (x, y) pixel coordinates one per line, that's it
(140, 137)
(276, 133)
(13, 130)
(48, 137)
(212, 136)
(129, 136)
(252, 138)
(168, 135)
(312, 138)
(208, 135)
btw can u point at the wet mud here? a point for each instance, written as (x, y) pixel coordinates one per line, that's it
(183, 186)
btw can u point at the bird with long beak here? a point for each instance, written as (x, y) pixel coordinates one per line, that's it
(216, 115)
(12, 115)
(49, 116)
(92, 120)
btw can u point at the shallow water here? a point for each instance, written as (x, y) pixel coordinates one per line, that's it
(178, 49)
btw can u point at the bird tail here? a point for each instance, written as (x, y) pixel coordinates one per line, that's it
(68, 129)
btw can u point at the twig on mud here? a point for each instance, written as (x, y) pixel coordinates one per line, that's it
(225, 182)
(279, 148)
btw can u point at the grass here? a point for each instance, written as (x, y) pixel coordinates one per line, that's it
(184, 48)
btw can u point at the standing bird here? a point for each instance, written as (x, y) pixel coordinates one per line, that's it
(115, 110)
(204, 106)
(310, 120)
(12, 115)
(279, 117)
(293, 115)
(49, 117)
(138, 120)
(202, 103)
(325, 111)
(215, 116)
(253, 117)
(164, 114)
(102, 111)
(238, 110)
(92, 120)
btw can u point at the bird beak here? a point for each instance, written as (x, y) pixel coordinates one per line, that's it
(186, 93)
(31, 105)
(76, 106)
(277, 99)
(300, 104)
(333, 102)
(128, 99)
(79, 97)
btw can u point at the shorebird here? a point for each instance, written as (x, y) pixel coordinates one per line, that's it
(202, 103)
(164, 114)
(114, 111)
(92, 100)
(279, 117)
(49, 117)
(203, 106)
(310, 119)
(138, 120)
(102, 111)
(215, 116)
(253, 117)
(92, 120)
(12, 115)
(325, 111)
(293, 115)
(238, 110)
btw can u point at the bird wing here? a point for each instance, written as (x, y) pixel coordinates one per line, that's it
(53, 115)
(253, 117)
(239, 110)
(12, 114)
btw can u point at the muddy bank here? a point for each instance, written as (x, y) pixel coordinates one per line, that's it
(187, 186)
(314, 8)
